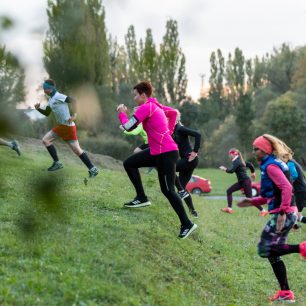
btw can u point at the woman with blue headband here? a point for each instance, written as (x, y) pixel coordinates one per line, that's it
(65, 129)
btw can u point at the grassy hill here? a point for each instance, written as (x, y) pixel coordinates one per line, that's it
(67, 243)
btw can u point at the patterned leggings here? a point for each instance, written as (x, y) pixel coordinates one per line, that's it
(272, 242)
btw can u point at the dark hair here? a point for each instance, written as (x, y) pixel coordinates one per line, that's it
(144, 87)
(50, 82)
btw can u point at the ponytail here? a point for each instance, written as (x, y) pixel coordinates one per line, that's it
(235, 151)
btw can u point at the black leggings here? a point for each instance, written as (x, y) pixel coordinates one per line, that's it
(165, 164)
(246, 184)
(185, 170)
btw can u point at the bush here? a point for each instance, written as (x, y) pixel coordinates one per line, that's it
(108, 145)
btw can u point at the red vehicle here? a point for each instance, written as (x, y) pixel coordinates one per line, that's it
(255, 189)
(198, 185)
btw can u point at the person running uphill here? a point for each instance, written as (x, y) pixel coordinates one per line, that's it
(188, 160)
(299, 185)
(276, 190)
(66, 128)
(158, 121)
(244, 181)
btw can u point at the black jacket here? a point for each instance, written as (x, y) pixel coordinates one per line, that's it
(299, 185)
(240, 169)
(181, 137)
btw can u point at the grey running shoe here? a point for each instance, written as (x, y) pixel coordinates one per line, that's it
(15, 147)
(183, 194)
(55, 166)
(93, 172)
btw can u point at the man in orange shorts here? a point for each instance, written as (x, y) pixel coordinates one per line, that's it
(66, 128)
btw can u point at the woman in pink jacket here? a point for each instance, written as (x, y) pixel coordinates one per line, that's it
(276, 190)
(158, 121)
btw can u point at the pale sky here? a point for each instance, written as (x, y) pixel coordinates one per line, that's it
(204, 26)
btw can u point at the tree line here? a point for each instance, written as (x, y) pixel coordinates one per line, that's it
(246, 97)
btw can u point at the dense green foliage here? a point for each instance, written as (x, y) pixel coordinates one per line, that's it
(246, 96)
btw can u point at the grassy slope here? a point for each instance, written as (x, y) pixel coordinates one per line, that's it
(94, 252)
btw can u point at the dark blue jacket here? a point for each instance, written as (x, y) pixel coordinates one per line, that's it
(267, 188)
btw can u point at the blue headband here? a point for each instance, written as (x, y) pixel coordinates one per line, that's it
(48, 86)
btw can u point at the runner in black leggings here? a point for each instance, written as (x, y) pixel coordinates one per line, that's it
(162, 154)
(276, 191)
(299, 185)
(244, 181)
(188, 162)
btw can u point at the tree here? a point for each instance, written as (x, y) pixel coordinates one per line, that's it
(284, 119)
(235, 75)
(299, 74)
(132, 56)
(149, 58)
(118, 65)
(220, 141)
(216, 83)
(76, 48)
(97, 20)
(172, 64)
(280, 68)
(244, 116)
(260, 77)
(11, 82)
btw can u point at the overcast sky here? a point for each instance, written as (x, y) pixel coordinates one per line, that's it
(204, 25)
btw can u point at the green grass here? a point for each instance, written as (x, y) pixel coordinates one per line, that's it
(83, 248)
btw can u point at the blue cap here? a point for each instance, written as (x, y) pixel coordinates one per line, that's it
(48, 86)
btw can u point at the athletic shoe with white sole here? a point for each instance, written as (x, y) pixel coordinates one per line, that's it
(286, 296)
(138, 203)
(186, 231)
(302, 247)
(183, 194)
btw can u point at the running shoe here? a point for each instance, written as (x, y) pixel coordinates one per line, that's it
(296, 227)
(183, 194)
(186, 231)
(302, 247)
(15, 147)
(138, 203)
(283, 296)
(93, 172)
(55, 166)
(194, 213)
(227, 210)
(263, 213)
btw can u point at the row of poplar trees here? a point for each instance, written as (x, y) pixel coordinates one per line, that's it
(78, 49)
